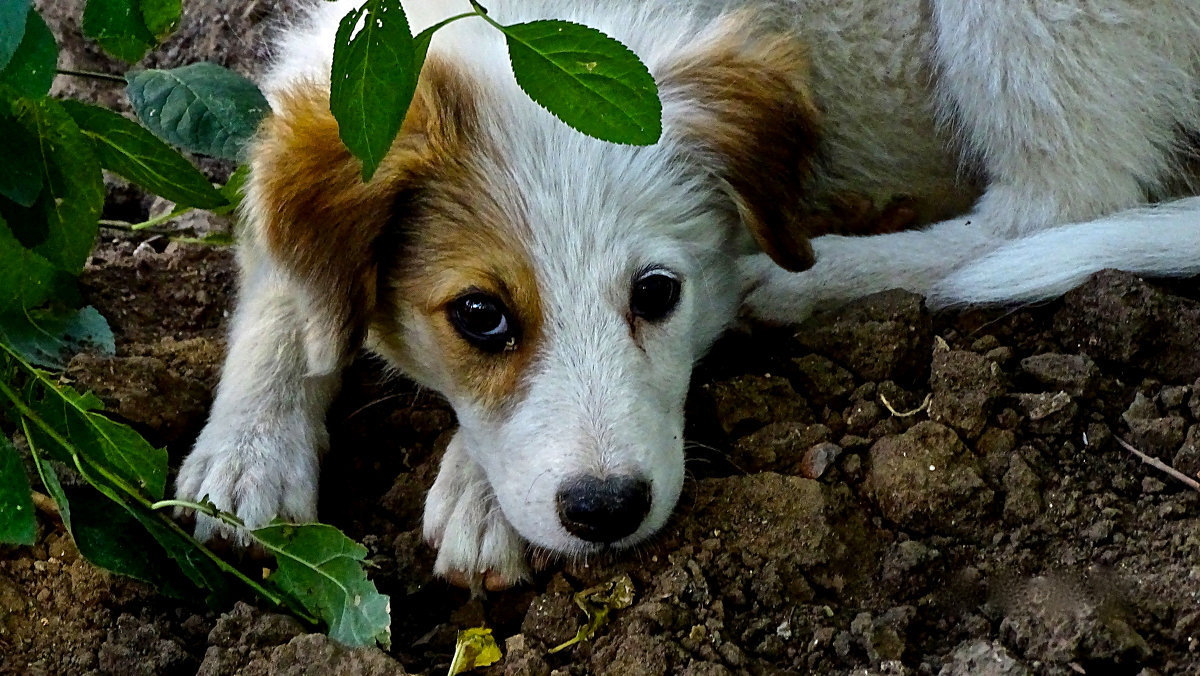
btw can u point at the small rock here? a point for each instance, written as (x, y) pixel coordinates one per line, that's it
(1173, 396)
(965, 387)
(1074, 374)
(926, 480)
(905, 564)
(1049, 413)
(985, 344)
(1160, 437)
(1117, 316)
(861, 416)
(636, 654)
(1023, 492)
(1152, 486)
(747, 403)
(523, 659)
(780, 447)
(885, 336)
(818, 459)
(552, 618)
(1142, 408)
(1001, 355)
(1187, 459)
(313, 654)
(982, 658)
(995, 448)
(820, 380)
(135, 648)
(809, 530)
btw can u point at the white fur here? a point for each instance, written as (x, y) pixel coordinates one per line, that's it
(1068, 113)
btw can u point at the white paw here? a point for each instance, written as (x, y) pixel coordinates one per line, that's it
(252, 472)
(477, 547)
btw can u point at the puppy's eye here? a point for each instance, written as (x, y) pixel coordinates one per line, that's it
(654, 295)
(483, 321)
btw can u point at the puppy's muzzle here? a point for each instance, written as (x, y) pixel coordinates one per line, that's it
(603, 510)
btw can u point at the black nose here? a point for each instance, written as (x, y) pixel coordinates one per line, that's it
(603, 510)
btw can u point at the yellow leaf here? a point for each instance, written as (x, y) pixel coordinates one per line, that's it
(476, 648)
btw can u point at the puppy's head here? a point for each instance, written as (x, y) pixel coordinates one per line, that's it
(554, 288)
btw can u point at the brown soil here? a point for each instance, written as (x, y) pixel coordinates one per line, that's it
(1000, 529)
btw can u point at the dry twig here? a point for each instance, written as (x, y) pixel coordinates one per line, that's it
(1160, 465)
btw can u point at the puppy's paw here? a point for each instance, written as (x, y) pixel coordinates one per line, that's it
(251, 474)
(477, 547)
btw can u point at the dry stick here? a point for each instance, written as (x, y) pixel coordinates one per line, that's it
(907, 414)
(1159, 464)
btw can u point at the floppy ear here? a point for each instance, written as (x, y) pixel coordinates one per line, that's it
(741, 97)
(308, 208)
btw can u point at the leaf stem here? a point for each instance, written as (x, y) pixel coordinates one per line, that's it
(91, 74)
(482, 13)
(164, 217)
(163, 504)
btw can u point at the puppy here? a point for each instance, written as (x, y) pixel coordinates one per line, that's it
(556, 289)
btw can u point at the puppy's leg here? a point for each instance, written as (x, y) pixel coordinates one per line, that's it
(851, 267)
(476, 544)
(258, 455)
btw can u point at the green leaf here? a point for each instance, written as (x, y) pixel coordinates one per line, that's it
(27, 280)
(161, 16)
(587, 79)
(49, 337)
(128, 537)
(112, 536)
(202, 107)
(17, 525)
(12, 27)
(33, 65)
(129, 149)
(114, 447)
(61, 225)
(373, 80)
(119, 27)
(20, 178)
(322, 568)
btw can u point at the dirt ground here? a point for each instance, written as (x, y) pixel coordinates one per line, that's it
(881, 491)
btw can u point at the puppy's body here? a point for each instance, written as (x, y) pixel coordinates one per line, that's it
(1055, 119)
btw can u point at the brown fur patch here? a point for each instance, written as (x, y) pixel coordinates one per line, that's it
(312, 211)
(465, 243)
(753, 110)
(418, 236)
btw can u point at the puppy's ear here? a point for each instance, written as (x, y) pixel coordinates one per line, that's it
(741, 97)
(309, 209)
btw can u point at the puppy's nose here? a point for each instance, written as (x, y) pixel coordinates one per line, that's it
(603, 510)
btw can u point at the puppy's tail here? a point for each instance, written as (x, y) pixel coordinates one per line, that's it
(1161, 241)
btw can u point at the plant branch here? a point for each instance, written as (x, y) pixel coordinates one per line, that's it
(482, 12)
(1160, 465)
(131, 492)
(91, 75)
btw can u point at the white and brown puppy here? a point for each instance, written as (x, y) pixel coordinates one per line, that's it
(557, 289)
